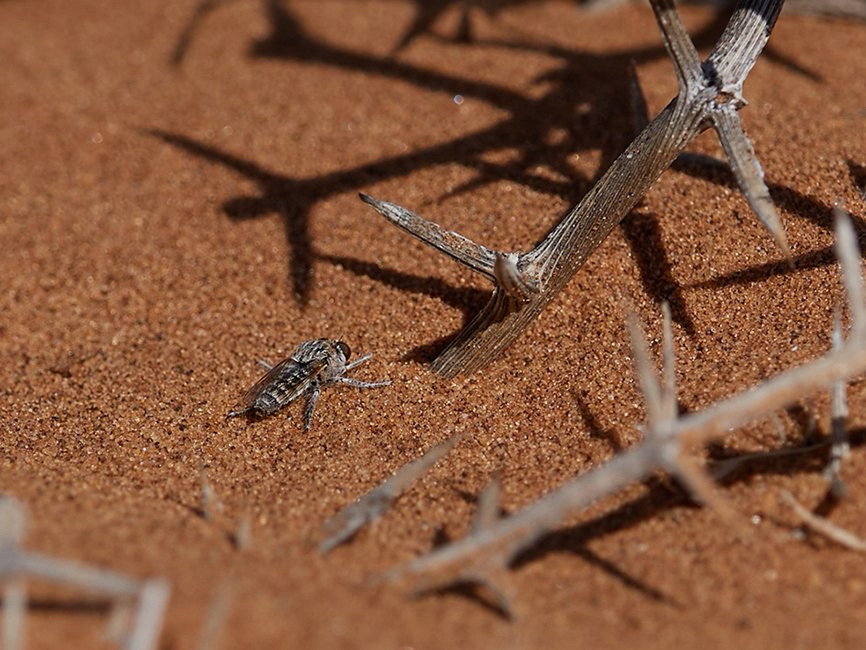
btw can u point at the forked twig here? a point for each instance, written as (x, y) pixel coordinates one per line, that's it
(149, 596)
(709, 95)
(348, 521)
(668, 438)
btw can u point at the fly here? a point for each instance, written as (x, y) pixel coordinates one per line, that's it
(312, 366)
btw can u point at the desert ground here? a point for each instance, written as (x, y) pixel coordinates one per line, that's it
(179, 198)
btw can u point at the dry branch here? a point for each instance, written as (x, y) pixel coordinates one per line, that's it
(709, 95)
(150, 596)
(668, 438)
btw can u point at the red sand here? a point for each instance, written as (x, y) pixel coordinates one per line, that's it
(158, 221)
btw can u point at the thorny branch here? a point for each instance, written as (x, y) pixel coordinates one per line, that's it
(488, 549)
(149, 597)
(709, 95)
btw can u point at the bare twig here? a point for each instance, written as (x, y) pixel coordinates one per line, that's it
(822, 526)
(709, 95)
(14, 593)
(242, 536)
(211, 505)
(668, 437)
(343, 526)
(487, 513)
(216, 616)
(840, 445)
(152, 600)
(16, 564)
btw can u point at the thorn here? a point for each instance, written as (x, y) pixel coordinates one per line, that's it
(848, 253)
(682, 51)
(347, 522)
(639, 110)
(747, 170)
(840, 446)
(669, 375)
(242, 536)
(460, 248)
(487, 512)
(703, 490)
(152, 600)
(647, 379)
(211, 505)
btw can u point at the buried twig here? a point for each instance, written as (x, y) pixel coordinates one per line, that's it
(343, 525)
(668, 438)
(150, 597)
(709, 95)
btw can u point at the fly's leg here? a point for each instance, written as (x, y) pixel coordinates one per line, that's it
(315, 390)
(357, 362)
(362, 384)
(264, 364)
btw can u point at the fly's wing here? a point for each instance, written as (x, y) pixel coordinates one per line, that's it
(290, 378)
(297, 378)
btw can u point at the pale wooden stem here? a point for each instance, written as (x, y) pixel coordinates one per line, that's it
(682, 51)
(526, 283)
(747, 170)
(464, 250)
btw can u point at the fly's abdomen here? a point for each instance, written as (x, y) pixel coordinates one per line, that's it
(283, 388)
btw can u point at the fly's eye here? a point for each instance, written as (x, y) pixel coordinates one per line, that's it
(342, 347)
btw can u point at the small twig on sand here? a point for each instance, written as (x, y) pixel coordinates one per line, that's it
(343, 526)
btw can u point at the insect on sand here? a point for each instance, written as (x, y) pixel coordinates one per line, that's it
(312, 366)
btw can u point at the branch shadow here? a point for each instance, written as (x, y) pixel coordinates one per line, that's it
(644, 237)
(574, 539)
(468, 300)
(857, 173)
(427, 13)
(595, 428)
(578, 78)
(475, 591)
(77, 606)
